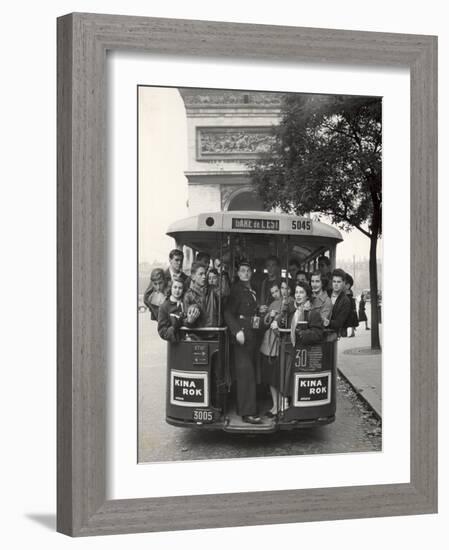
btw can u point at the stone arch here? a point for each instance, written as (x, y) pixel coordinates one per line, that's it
(244, 198)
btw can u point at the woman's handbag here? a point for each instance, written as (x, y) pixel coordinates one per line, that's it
(270, 343)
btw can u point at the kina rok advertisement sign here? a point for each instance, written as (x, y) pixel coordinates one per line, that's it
(189, 389)
(312, 385)
(312, 389)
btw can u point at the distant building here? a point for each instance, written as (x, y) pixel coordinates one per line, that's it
(226, 130)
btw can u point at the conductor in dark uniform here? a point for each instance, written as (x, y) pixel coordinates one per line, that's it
(242, 320)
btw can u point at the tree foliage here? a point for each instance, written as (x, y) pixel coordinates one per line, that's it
(326, 158)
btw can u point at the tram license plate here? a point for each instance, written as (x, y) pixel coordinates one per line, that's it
(203, 415)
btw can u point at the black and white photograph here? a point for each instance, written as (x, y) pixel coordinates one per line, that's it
(259, 274)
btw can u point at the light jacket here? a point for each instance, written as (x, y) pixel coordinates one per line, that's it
(323, 303)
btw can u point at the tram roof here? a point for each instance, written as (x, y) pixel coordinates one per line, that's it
(252, 222)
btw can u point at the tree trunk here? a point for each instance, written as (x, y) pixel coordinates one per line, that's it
(375, 340)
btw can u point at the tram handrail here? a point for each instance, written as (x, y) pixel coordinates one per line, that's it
(224, 329)
(204, 329)
(288, 330)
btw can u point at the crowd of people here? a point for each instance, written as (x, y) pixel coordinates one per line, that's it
(313, 307)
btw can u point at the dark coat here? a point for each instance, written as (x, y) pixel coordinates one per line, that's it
(352, 320)
(240, 307)
(169, 320)
(309, 335)
(257, 280)
(362, 310)
(340, 312)
(313, 333)
(207, 301)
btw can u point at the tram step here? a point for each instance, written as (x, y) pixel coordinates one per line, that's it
(234, 423)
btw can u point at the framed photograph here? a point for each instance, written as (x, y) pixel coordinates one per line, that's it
(214, 180)
(207, 155)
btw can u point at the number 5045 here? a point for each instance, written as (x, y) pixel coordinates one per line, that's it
(302, 225)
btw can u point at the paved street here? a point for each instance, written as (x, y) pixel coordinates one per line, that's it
(356, 429)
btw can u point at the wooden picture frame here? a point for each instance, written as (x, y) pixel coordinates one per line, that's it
(83, 40)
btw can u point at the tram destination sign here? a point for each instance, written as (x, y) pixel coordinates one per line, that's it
(254, 224)
(287, 224)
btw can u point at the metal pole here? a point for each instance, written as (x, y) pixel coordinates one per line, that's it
(282, 350)
(220, 281)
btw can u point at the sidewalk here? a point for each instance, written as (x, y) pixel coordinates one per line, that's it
(362, 368)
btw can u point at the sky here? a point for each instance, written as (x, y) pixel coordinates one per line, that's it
(163, 189)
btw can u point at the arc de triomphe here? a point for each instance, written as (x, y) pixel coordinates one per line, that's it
(226, 130)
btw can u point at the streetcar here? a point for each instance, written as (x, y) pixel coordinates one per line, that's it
(200, 392)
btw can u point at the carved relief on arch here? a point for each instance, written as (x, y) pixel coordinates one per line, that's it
(221, 142)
